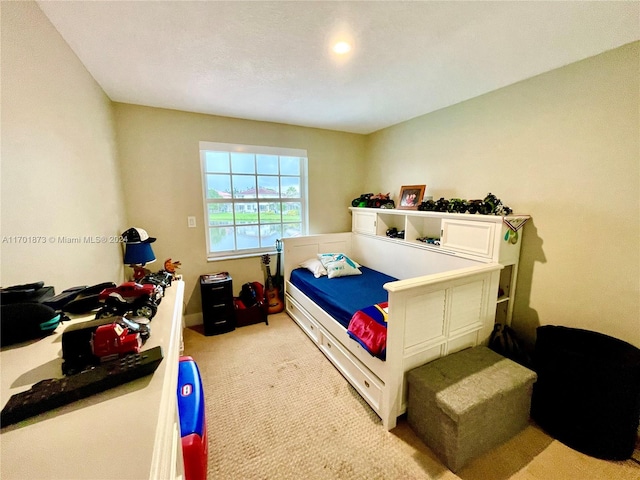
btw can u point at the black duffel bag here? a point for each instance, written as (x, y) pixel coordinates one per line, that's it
(20, 322)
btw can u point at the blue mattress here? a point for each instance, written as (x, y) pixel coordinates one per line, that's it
(341, 297)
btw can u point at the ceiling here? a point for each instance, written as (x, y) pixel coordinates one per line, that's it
(271, 61)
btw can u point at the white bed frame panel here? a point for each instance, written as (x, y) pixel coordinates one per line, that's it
(440, 305)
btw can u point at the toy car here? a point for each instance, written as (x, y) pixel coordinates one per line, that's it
(362, 200)
(162, 279)
(111, 341)
(136, 327)
(457, 205)
(142, 300)
(77, 351)
(130, 291)
(440, 205)
(490, 205)
(115, 305)
(373, 201)
(394, 233)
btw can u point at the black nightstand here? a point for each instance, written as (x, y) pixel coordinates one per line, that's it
(218, 312)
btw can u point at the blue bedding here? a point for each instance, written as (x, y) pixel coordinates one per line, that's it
(342, 297)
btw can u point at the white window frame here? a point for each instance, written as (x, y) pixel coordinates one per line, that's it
(260, 150)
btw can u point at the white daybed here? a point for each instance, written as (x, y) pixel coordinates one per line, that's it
(441, 304)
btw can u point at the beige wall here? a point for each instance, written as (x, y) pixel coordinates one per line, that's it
(59, 171)
(160, 162)
(562, 147)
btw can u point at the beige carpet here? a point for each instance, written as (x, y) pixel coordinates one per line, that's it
(278, 409)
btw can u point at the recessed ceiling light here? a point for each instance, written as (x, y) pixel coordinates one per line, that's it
(341, 48)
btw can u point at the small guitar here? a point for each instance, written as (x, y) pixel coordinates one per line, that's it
(271, 293)
(278, 280)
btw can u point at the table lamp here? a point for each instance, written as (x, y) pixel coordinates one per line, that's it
(138, 251)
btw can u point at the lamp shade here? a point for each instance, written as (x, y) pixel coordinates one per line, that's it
(138, 254)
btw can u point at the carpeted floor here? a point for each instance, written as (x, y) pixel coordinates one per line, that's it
(278, 409)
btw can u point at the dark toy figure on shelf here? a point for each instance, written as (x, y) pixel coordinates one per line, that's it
(373, 201)
(490, 205)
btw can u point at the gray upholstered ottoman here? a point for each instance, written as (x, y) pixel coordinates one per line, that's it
(464, 404)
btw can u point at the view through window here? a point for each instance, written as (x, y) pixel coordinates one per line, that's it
(253, 196)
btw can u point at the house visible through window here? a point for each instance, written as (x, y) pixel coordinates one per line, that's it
(253, 196)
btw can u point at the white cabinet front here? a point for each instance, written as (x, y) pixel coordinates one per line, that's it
(468, 236)
(364, 222)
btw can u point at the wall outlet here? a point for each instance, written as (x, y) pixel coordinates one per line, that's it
(191, 222)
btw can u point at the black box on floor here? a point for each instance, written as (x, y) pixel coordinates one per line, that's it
(218, 313)
(249, 316)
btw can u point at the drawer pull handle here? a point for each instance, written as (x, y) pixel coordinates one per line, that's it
(311, 327)
(218, 305)
(328, 345)
(366, 384)
(217, 288)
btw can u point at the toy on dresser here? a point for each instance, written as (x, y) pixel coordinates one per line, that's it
(140, 299)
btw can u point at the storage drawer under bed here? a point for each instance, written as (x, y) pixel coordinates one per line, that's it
(349, 366)
(303, 320)
(365, 382)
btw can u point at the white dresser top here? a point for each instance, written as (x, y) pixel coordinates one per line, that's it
(128, 432)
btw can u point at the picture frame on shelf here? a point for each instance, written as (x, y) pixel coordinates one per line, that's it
(411, 197)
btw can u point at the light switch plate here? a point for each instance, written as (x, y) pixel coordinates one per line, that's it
(191, 222)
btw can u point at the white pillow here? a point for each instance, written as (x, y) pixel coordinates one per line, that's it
(314, 266)
(339, 265)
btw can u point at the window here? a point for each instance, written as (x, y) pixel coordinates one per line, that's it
(252, 197)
